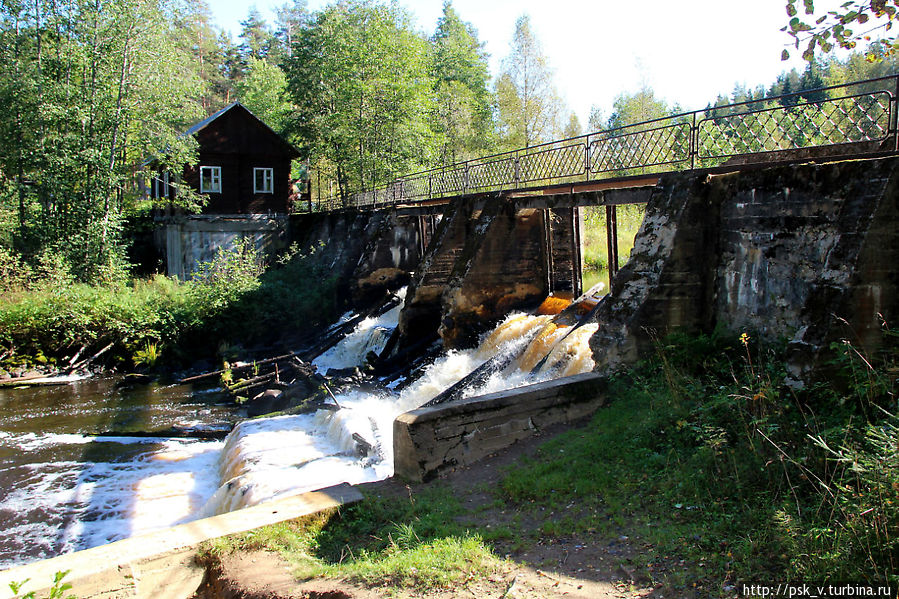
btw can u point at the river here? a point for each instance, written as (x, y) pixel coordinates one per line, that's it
(63, 488)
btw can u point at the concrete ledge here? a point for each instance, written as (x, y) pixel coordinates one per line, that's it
(429, 440)
(161, 564)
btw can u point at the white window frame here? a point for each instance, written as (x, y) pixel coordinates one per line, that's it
(215, 179)
(268, 180)
(161, 185)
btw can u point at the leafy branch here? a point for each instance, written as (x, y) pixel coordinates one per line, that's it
(834, 28)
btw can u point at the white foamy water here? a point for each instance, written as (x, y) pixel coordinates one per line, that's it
(57, 506)
(370, 335)
(269, 458)
(82, 490)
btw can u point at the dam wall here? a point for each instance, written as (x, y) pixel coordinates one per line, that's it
(369, 252)
(428, 441)
(805, 253)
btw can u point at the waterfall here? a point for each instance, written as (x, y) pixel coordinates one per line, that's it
(272, 457)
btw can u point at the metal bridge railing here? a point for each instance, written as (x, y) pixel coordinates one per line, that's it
(855, 118)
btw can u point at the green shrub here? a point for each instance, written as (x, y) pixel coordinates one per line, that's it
(232, 300)
(711, 457)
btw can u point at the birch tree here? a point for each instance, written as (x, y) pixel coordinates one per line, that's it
(88, 88)
(528, 104)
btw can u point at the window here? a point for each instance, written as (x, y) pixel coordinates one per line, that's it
(263, 180)
(162, 186)
(210, 179)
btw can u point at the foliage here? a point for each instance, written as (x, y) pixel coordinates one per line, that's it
(595, 252)
(87, 89)
(715, 460)
(57, 590)
(639, 107)
(528, 104)
(290, 19)
(231, 300)
(264, 91)
(196, 35)
(257, 38)
(833, 28)
(360, 81)
(463, 116)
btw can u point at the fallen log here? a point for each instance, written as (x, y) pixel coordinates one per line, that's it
(85, 363)
(479, 375)
(239, 367)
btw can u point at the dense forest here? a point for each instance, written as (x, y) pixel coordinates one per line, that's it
(89, 90)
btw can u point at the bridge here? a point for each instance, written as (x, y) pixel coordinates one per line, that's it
(530, 197)
(853, 119)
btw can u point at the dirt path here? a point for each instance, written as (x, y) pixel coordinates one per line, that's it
(586, 566)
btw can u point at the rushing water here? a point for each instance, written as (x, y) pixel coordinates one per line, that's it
(62, 488)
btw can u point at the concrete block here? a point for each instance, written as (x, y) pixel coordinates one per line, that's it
(429, 440)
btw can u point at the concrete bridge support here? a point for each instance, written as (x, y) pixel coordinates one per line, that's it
(489, 256)
(806, 253)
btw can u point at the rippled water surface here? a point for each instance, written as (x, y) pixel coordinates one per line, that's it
(63, 488)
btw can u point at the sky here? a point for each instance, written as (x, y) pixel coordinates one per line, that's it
(687, 51)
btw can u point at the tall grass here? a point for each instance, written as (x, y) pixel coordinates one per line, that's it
(710, 457)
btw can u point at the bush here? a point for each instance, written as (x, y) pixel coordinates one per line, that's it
(232, 300)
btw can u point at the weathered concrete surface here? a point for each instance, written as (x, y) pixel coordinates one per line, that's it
(427, 441)
(421, 313)
(162, 564)
(488, 256)
(809, 253)
(189, 241)
(502, 267)
(368, 251)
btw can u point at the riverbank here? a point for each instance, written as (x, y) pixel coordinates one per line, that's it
(48, 322)
(705, 470)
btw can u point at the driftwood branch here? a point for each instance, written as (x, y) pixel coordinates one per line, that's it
(198, 377)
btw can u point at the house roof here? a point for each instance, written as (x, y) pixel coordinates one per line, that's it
(194, 129)
(211, 118)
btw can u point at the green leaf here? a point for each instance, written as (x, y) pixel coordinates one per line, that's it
(862, 18)
(809, 7)
(791, 10)
(785, 55)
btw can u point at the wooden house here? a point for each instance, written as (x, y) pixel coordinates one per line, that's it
(243, 166)
(243, 172)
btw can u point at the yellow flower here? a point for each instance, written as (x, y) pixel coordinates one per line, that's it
(744, 339)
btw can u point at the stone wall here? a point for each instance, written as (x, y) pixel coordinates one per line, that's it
(368, 251)
(808, 253)
(428, 441)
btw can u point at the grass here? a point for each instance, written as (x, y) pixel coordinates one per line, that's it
(704, 460)
(706, 456)
(595, 251)
(412, 543)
